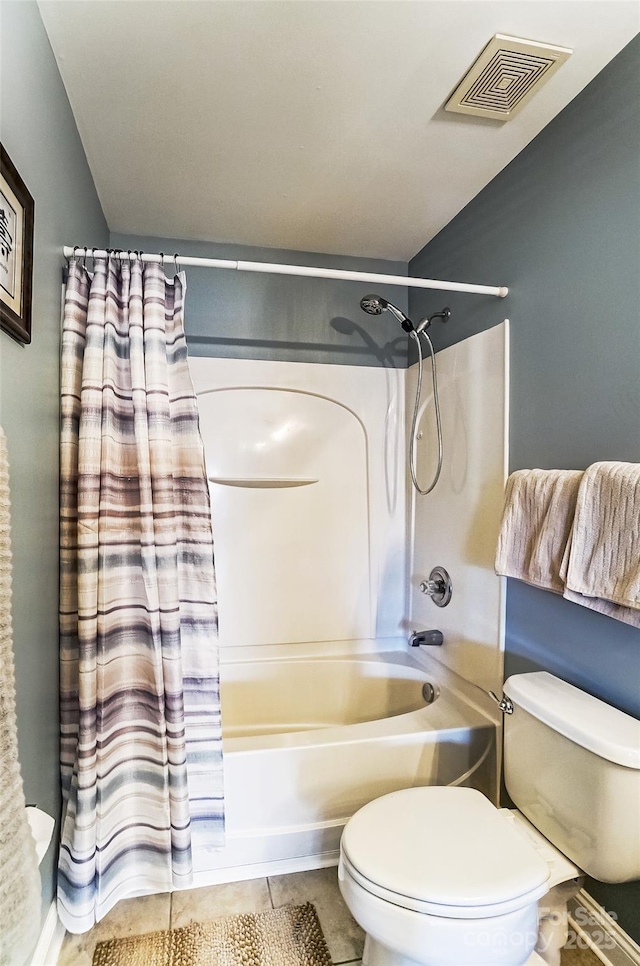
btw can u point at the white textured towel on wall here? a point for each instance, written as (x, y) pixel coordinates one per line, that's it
(19, 878)
(601, 566)
(576, 533)
(537, 520)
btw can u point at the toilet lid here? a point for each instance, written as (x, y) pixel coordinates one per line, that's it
(445, 847)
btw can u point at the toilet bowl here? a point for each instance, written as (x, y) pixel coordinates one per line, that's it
(438, 876)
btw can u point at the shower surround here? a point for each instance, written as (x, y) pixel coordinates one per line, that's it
(320, 550)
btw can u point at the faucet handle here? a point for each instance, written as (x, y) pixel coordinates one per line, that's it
(438, 586)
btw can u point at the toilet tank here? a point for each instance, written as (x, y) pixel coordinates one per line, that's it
(572, 767)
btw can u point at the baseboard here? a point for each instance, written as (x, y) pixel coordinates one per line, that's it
(259, 870)
(595, 929)
(50, 940)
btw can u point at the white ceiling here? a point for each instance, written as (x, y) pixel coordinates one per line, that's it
(312, 125)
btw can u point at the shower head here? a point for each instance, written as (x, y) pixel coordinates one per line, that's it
(373, 304)
(376, 305)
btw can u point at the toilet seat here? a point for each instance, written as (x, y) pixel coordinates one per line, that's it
(426, 908)
(442, 851)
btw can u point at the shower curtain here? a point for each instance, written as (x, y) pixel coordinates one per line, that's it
(141, 746)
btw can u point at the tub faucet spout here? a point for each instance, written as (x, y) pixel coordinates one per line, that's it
(433, 637)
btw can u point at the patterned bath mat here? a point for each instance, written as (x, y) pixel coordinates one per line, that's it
(289, 936)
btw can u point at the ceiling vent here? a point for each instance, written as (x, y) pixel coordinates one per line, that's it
(505, 75)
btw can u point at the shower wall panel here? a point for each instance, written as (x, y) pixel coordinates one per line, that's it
(456, 525)
(306, 471)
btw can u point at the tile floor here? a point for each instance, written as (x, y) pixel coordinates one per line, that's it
(131, 917)
(344, 937)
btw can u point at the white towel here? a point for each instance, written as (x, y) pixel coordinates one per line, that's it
(601, 565)
(19, 876)
(536, 523)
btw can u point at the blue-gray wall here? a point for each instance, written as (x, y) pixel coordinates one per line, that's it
(561, 226)
(39, 133)
(244, 315)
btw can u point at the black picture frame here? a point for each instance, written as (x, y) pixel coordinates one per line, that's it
(17, 211)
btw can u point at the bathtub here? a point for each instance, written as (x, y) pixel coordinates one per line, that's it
(311, 733)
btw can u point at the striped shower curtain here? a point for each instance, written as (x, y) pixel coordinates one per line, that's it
(141, 746)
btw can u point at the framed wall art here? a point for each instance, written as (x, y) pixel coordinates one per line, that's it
(16, 251)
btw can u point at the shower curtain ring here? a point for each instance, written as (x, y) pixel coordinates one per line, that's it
(175, 258)
(84, 260)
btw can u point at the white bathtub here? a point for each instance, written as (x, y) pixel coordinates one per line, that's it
(311, 738)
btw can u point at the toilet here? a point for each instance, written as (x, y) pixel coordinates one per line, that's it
(438, 876)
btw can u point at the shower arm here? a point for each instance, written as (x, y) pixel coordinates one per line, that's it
(444, 316)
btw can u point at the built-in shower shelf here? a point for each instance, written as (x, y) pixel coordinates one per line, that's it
(262, 483)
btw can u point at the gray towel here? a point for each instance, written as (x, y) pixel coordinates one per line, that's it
(536, 523)
(19, 877)
(601, 565)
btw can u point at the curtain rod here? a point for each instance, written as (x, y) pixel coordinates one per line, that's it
(273, 268)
